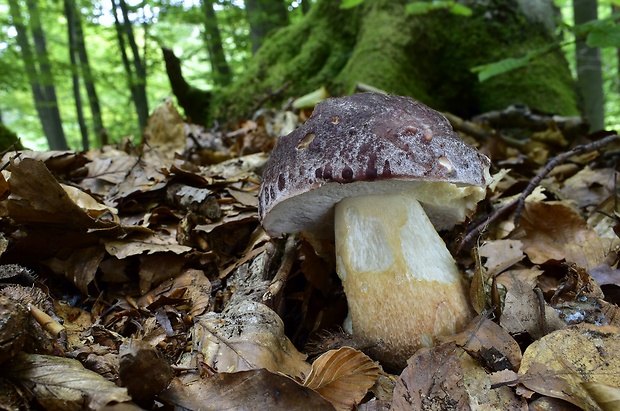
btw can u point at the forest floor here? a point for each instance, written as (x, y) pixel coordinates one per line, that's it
(137, 276)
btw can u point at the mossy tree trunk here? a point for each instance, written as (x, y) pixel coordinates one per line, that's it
(428, 57)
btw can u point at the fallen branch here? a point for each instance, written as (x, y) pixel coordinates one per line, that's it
(475, 230)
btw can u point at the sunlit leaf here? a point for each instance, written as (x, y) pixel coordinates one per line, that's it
(418, 7)
(487, 71)
(460, 10)
(605, 36)
(349, 4)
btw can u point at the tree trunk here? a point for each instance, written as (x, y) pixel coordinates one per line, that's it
(264, 16)
(589, 69)
(75, 78)
(142, 106)
(93, 100)
(194, 102)
(428, 57)
(219, 67)
(39, 75)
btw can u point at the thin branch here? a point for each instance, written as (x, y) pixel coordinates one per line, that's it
(476, 229)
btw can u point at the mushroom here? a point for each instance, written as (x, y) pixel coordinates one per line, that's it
(382, 174)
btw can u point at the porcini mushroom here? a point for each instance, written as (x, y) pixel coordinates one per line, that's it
(382, 174)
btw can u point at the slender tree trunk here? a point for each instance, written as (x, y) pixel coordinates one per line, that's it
(264, 16)
(49, 116)
(142, 106)
(93, 100)
(221, 72)
(305, 6)
(57, 139)
(136, 87)
(589, 69)
(75, 78)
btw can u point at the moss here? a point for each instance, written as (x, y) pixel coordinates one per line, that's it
(428, 57)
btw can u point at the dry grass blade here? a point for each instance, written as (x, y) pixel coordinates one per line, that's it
(342, 377)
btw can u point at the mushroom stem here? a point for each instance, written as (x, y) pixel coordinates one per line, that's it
(402, 285)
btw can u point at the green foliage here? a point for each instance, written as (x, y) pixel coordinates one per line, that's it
(349, 4)
(487, 71)
(423, 7)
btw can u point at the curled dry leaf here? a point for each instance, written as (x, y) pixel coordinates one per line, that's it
(521, 313)
(558, 364)
(252, 390)
(500, 255)
(343, 377)
(143, 370)
(447, 378)
(36, 197)
(64, 384)
(606, 396)
(489, 343)
(247, 336)
(554, 231)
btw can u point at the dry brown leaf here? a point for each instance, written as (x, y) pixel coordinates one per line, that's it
(489, 343)
(590, 187)
(500, 255)
(155, 268)
(165, 130)
(149, 245)
(80, 267)
(143, 369)
(343, 377)
(554, 231)
(252, 390)
(521, 312)
(247, 336)
(558, 364)
(36, 197)
(64, 384)
(447, 378)
(606, 396)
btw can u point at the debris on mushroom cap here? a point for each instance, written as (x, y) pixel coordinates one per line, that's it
(352, 146)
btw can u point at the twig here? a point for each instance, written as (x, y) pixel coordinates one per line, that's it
(556, 161)
(288, 258)
(519, 203)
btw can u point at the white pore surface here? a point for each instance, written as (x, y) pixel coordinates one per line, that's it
(390, 235)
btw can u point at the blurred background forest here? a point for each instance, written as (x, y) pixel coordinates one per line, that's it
(96, 68)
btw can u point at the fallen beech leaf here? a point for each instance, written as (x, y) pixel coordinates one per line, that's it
(521, 312)
(165, 130)
(558, 364)
(246, 336)
(143, 369)
(252, 390)
(64, 384)
(500, 255)
(36, 197)
(606, 396)
(554, 231)
(590, 187)
(489, 343)
(447, 378)
(343, 377)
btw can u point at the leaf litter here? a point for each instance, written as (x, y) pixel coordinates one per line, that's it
(138, 275)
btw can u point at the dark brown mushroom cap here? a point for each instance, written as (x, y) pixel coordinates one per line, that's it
(361, 144)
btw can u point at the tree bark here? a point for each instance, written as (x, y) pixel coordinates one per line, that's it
(39, 75)
(222, 75)
(75, 78)
(89, 82)
(264, 16)
(142, 106)
(194, 102)
(428, 57)
(589, 69)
